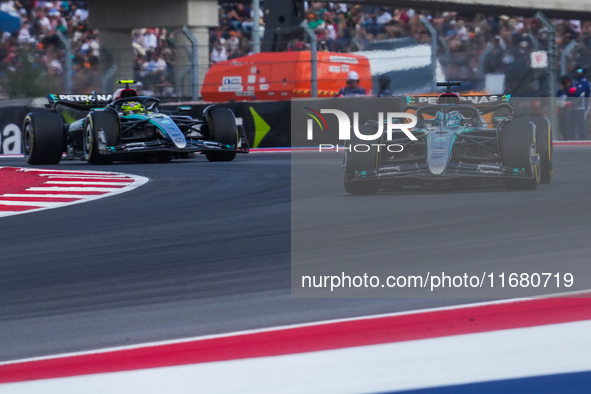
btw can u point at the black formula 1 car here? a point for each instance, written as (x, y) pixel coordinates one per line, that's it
(456, 144)
(125, 126)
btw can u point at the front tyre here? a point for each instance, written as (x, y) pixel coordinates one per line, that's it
(222, 129)
(544, 147)
(99, 128)
(519, 150)
(43, 138)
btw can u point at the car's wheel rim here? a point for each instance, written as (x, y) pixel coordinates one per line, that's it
(87, 140)
(535, 159)
(27, 140)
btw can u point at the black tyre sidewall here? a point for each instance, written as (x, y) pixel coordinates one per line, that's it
(222, 129)
(109, 123)
(544, 146)
(517, 137)
(45, 131)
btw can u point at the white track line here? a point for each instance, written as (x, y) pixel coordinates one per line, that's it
(434, 362)
(132, 182)
(41, 195)
(91, 176)
(73, 189)
(87, 182)
(291, 326)
(31, 203)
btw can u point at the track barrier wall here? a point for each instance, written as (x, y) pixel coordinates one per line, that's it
(12, 114)
(267, 123)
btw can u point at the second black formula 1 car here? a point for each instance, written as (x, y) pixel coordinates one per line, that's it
(456, 144)
(125, 126)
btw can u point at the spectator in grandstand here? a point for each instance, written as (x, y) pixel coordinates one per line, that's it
(225, 26)
(314, 22)
(383, 17)
(56, 21)
(218, 53)
(295, 45)
(352, 88)
(369, 20)
(93, 81)
(91, 46)
(248, 23)
(402, 17)
(10, 6)
(79, 30)
(233, 43)
(164, 87)
(586, 34)
(344, 33)
(139, 87)
(237, 15)
(330, 29)
(78, 74)
(138, 42)
(318, 8)
(564, 108)
(54, 65)
(356, 15)
(80, 13)
(150, 39)
(166, 50)
(153, 70)
(384, 86)
(581, 101)
(24, 34)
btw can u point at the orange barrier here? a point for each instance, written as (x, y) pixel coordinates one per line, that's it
(281, 76)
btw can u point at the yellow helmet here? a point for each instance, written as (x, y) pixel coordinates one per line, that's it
(132, 107)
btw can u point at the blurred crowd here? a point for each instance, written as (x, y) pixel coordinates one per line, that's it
(154, 60)
(469, 45)
(233, 37)
(37, 52)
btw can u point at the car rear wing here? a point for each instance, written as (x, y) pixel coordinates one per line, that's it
(92, 99)
(84, 102)
(477, 101)
(81, 98)
(493, 109)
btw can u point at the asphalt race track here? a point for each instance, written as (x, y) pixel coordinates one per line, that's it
(204, 248)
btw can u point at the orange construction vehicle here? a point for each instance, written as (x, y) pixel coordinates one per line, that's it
(281, 76)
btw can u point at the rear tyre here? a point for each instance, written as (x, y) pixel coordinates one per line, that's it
(518, 150)
(359, 162)
(544, 146)
(43, 138)
(107, 124)
(222, 129)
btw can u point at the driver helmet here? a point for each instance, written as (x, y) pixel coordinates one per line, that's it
(453, 119)
(132, 107)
